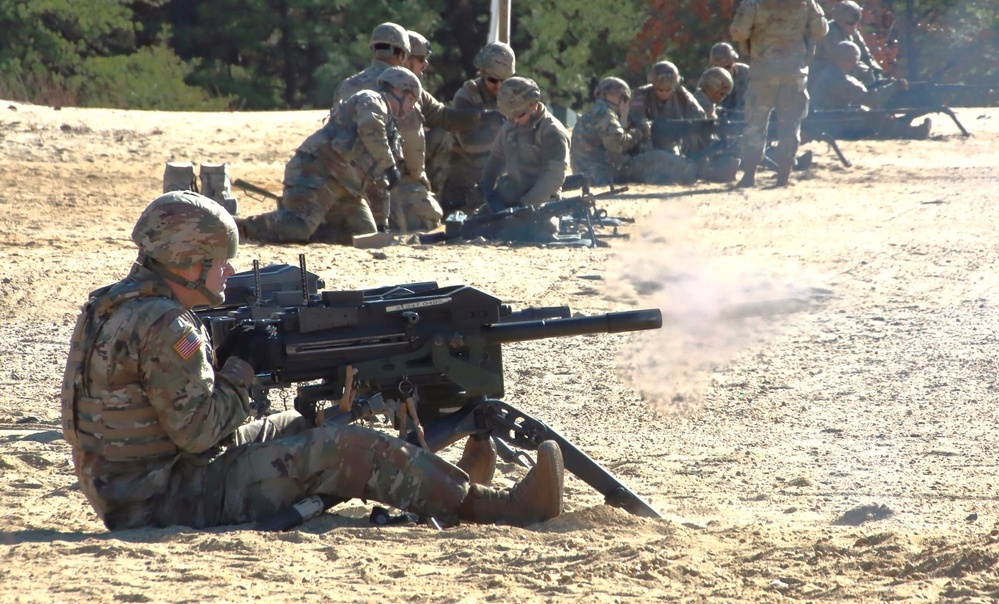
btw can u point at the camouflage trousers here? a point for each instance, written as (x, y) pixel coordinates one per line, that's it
(414, 208)
(788, 96)
(602, 174)
(282, 459)
(314, 208)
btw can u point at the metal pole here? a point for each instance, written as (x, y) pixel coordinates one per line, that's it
(499, 21)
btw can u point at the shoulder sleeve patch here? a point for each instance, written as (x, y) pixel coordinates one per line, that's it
(188, 344)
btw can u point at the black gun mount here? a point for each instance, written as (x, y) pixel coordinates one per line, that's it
(358, 354)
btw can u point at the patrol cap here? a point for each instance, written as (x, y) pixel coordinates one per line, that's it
(183, 228)
(418, 45)
(496, 60)
(664, 76)
(722, 55)
(846, 11)
(613, 86)
(846, 51)
(401, 79)
(395, 37)
(516, 96)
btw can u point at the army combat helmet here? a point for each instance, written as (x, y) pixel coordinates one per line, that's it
(847, 12)
(419, 46)
(388, 39)
(722, 55)
(182, 229)
(664, 76)
(400, 79)
(612, 86)
(716, 79)
(517, 96)
(496, 60)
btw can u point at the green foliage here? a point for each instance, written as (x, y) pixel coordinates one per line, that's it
(83, 52)
(150, 78)
(572, 44)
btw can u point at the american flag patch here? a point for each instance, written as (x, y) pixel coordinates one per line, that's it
(188, 344)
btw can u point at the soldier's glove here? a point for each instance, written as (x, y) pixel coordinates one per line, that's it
(392, 176)
(255, 343)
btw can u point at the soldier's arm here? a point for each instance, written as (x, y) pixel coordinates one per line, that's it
(865, 52)
(742, 24)
(818, 27)
(372, 128)
(555, 155)
(197, 407)
(453, 119)
(414, 143)
(615, 138)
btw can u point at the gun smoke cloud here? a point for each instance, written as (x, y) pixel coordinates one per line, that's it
(716, 306)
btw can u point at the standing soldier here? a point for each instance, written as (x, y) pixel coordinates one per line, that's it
(724, 56)
(600, 145)
(781, 37)
(496, 63)
(353, 158)
(529, 159)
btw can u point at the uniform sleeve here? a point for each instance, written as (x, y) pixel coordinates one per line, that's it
(742, 24)
(818, 27)
(453, 119)
(555, 155)
(614, 137)
(372, 124)
(414, 143)
(865, 52)
(638, 110)
(196, 406)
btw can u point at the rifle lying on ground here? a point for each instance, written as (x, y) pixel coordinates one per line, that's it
(252, 188)
(357, 354)
(577, 217)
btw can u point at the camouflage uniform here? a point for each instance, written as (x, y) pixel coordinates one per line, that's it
(155, 429)
(470, 149)
(527, 164)
(723, 55)
(717, 161)
(781, 35)
(832, 89)
(867, 70)
(664, 165)
(330, 176)
(600, 145)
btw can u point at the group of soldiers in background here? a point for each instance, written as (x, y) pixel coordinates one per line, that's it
(392, 158)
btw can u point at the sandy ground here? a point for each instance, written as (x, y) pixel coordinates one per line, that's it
(815, 421)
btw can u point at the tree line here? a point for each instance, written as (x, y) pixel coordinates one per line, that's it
(290, 54)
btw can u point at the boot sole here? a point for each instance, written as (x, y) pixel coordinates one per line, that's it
(550, 461)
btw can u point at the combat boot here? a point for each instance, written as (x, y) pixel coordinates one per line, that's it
(536, 498)
(478, 460)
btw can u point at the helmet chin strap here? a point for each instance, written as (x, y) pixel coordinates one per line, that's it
(200, 285)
